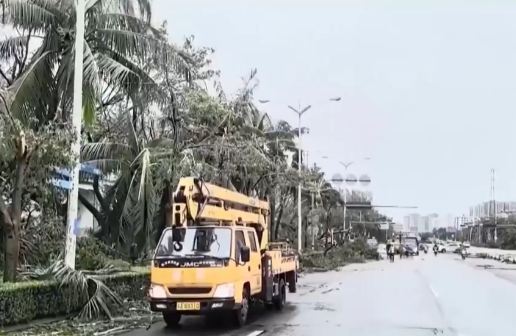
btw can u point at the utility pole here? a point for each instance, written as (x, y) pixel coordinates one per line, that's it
(299, 113)
(494, 202)
(73, 197)
(346, 165)
(312, 219)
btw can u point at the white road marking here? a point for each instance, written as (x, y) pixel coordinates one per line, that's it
(434, 292)
(256, 333)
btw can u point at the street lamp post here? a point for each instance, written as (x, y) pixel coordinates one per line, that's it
(346, 165)
(73, 197)
(299, 113)
(338, 180)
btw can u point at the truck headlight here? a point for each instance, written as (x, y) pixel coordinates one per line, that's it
(224, 291)
(157, 292)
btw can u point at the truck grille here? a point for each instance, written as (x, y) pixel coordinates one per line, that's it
(189, 290)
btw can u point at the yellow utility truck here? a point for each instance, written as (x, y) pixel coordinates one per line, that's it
(215, 256)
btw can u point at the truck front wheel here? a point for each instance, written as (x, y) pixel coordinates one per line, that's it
(171, 318)
(241, 313)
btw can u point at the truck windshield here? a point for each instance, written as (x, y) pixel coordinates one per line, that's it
(209, 241)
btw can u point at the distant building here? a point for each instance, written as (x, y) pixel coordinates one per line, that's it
(433, 222)
(406, 223)
(416, 223)
(397, 227)
(486, 209)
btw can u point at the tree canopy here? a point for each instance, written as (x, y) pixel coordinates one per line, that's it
(148, 120)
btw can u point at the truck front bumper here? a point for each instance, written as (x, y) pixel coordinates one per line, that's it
(205, 305)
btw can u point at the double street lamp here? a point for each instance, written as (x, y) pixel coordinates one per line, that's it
(299, 219)
(299, 111)
(348, 180)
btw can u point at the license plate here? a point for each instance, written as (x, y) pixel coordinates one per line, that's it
(188, 306)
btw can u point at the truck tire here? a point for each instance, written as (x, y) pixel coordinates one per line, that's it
(171, 318)
(241, 313)
(280, 300)
(292, 283)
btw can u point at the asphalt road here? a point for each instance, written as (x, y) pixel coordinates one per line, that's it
(424, 295)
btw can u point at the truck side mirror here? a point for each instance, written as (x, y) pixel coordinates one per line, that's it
(245, 254)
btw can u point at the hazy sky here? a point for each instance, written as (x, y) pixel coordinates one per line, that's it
(428, 87)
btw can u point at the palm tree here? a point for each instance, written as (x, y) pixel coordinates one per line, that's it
(129, 205)
(39, 82)
(118, 39)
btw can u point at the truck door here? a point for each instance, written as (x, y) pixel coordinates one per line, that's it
(243, 270)
(255, 262)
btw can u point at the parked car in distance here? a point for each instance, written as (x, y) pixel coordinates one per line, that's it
(411, 245)
(442, 247)
(411, 250)
(453, 247)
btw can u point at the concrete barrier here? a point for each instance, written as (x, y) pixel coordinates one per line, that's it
(493, 253)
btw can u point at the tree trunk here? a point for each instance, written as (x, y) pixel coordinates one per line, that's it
(305, 230)
(12, 221)
(272, 218)
(12, 252)
(166, 206)
(8, 228)
(278, 223)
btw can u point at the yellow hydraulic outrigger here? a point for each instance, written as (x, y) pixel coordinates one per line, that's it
(200, 203)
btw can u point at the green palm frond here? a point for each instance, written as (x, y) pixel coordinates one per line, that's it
(89, 103)
(142, 160)
(140, 204)
(132, 214)
(101, 301)
(36, 78)
(178, 59)
(91, 85)
(126, 22)
(91, 71)
(132, 137)
(64, 80)
(127, 42)
(264, 122)
(140, 8)
(145, 9)
(87, 288)
(119, 71)
(10, 45)
(105, 150)
(35, 15)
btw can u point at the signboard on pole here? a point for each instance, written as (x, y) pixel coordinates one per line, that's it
(384, 226)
